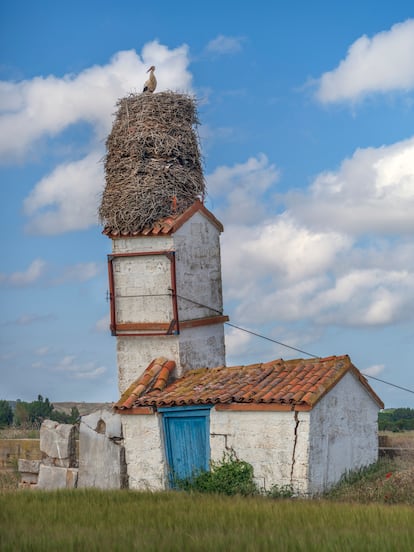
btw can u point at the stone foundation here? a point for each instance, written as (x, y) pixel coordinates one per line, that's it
(58, 468)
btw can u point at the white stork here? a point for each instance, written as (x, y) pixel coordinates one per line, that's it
(151, 84)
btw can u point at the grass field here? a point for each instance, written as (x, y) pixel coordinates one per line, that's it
(124, 520)
(402, 439)
(370, 510)
(19, 433)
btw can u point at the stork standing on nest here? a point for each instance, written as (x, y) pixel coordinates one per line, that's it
(151, 83)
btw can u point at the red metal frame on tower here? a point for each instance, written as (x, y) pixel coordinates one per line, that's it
(171, 327)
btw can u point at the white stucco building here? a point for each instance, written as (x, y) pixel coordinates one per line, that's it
(299, 423)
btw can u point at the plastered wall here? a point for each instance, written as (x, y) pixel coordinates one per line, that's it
(144, 452)
(274, 443)
(142, 290)
(344, 433)
(197, 245)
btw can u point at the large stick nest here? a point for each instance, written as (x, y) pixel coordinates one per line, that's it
(152, 165)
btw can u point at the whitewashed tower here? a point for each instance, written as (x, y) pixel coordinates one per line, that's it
(164, 270)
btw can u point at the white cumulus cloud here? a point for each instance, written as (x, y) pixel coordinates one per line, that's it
(339, 254)
(45, 106)
(237, 342)
(32, 274)
(374, 370)
(366, 297)
(371, 192)
(41, 351)
(80, 272)
(279, 250)
(79, 370)
(102, 325)
(241, 189)
(225, 45)
(382, 63)
(27, 319)
(67, 199)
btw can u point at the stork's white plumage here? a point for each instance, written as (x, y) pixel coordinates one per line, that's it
(151, 84)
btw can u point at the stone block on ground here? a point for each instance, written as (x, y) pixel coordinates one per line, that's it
(28, 466)
(51, 477)
(29, 471)
(59, 441)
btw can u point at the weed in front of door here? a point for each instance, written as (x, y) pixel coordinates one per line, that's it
(230, 476)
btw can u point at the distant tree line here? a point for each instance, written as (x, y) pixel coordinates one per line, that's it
(33, 413)
(396, 419)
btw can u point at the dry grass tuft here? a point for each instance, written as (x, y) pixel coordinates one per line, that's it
(388, 481)
(152, 166)
(13, 432)
(9, 480)
(401, 439)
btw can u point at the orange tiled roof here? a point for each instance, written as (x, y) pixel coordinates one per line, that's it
(280, 384)
(154, 377)
(167, 225)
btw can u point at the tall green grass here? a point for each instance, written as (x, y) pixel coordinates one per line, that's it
(92, 520)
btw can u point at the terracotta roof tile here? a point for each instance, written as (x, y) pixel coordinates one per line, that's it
(167, 225)
(154, 377)
(297, 383)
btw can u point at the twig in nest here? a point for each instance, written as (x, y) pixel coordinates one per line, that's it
(153, 167)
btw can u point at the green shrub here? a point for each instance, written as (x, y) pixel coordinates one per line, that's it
(230, 477)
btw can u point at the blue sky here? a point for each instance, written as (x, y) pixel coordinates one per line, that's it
(307, 122)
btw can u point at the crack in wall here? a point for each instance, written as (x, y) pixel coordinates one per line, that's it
(295, 441)
(225, 435)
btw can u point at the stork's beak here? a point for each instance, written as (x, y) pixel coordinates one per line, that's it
(151, 68)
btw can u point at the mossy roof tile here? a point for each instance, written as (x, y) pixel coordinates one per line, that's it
(297, 382)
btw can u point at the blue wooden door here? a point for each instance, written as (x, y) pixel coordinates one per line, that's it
(186, 432)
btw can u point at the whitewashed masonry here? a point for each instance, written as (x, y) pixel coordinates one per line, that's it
(166, 296)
